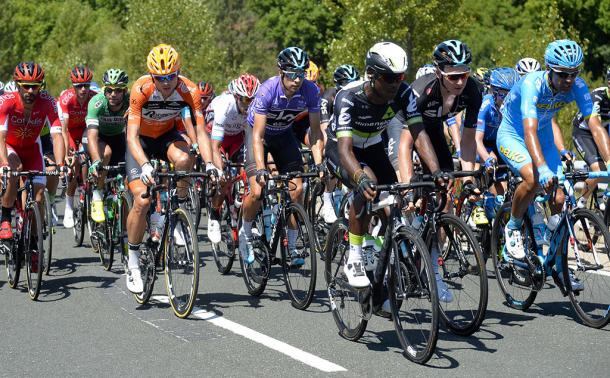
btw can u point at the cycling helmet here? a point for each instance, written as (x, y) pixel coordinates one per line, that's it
(163, 60)
(563, 53)
(451, 53)
(115, 77)
(425, 70)
(81, 74)
(1, 85)
(205, 89)
(28, 71)
(245, 86)
(292, 59)
(608, 74)
(481, 73)
(344, 74)
(527, 65)
(386, 58)
(10, 86)
(503, 78)
(312, 72)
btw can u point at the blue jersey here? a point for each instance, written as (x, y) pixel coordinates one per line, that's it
(489, 119)
(532, 97)
(281, 111)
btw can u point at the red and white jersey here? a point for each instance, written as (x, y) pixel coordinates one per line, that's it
(22, 132)
(71, 111)
(224, 117)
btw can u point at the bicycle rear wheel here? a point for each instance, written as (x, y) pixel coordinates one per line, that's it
(345, 302)
(47, 229)
(148, 272)
(225, 250)
(181, 263)
(462, 270)
(13, 256)
(80, 216)
(256, 275)
(34, 250)
(193, 206)
(300, 280)
(586, 256)
(413, 296)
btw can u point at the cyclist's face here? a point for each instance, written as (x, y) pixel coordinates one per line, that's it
(28, 92)
(166, 84)
(455, 79)
(387, 85)
(292, 81)
(563, 80)
(114, 95)
(499, 96)
(81, 90)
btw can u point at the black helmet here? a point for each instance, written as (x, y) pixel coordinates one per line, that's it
(292, 59)
(452, 53)
(608, 74)
(344, 74)
(386, 58)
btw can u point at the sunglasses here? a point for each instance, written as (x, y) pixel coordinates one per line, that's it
(455, 77)
(165, 78)
(293, 75)
(392, 78)
(110, 90)
(82, 85)
(500, 93)
(565, 75)
(245, 100)
(28, 86)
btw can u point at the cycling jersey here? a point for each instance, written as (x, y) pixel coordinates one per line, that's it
(107, 122)
(72, 112)
(489, 119)
(601, 107)
(224, 117)
(155, 115)
(281, 111)
(23, 133)
(326, 104)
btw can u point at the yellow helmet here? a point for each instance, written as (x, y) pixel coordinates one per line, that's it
(163, 60)
(312, 72)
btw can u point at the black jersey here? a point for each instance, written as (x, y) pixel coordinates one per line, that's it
(326, 105)
(601, 107)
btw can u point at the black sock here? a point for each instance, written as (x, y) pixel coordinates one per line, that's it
(7, 213)
(134, 247)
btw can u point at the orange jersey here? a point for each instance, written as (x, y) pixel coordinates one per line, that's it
(155, 115)
(71, 111)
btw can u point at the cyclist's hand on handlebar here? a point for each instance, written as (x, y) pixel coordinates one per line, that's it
(93, 168)
(442, 179)
(567, 155)
(546, 178)
(5, 170)
(490, 163)
(147, 176)
(366, 187)
(212, 170)
(261, 176)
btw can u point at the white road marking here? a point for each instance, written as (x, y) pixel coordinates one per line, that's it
(600, 272)
(269, 342)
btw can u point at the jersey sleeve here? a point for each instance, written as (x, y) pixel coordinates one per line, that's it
(62, 106)
(93, 111)
(185, 113)
(4, 117)
(583, 98)
(137, 98)
(410, 108)
(52, 117)
(530, 90)
(218, 128)
(313, 99)
(472, 109)
(597, 99)
(344, 109)
(325, 109)
(483, 113)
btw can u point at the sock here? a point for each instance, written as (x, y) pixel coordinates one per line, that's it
(292, 237)
(69, 202)
(328, 198)
(434, 254)
(247, 227)
(7, 213)
(134, 256)
(355, 247)
(514, 223)
(97, 195)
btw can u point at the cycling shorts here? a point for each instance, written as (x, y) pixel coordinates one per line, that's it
(47, 144)
(154, 148)
(74, 138)
(441, 149)
(231, 146)
(585, 144)
(31, 159)
(284, 148)
(118, 146)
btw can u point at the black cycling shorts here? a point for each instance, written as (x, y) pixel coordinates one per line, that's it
(585, 144)
(284, 148)
(300, 129)
(118, 146)
(441, 149)
(154, 148)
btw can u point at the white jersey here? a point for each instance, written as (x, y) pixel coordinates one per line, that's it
(226, 119)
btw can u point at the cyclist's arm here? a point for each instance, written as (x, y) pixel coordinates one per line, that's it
(347, 159)
(217, 154)
(92, 143)
(258, 136)
(59, 149)
(63, 118)
(92, 120)
(3, 151)
(405, 156)
(557, 137)
(468, 145)
(530, 131)
(188, 125)
(453, 128)
(481, 150)
(600, 136)
(316, 142)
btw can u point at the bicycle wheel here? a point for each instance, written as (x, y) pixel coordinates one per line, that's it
(345, 302)
(148, 271)
(12, 261)
(225, 250)
(462, 271)
(47, 230)
(510, 278)
(181, 263)
(313, 204)
(80, 215)
(120, 229)
(586, 256)
(413, 296)
(256, 275)
(193, 206)
(300, 279)
(101, 241)
(34, 250)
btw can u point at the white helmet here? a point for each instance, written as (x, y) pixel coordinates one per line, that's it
(425, 70)
(10, 86)
(386, 58)
(245, 85)
(1, 85)
(527, 65)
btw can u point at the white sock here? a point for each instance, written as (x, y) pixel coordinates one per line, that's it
(355, 253)
(328, 198)
(134, 260)
(97, 195)
(292, 237)
(69, 202)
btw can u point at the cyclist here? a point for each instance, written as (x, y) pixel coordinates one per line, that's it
(527, 65)
(155, 101)
(300, 126)
(72, 107)
(583, 137)
(106, 120)
(22, 117)
(525, 137)
(270, 117)
(226, 122)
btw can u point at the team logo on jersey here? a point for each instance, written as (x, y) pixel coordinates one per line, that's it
(389, 114)
(512, 155)
(98, 104)
(556, 105)
(412, 107)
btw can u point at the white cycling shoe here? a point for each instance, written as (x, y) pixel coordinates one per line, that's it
(514, 243)
(134, 281)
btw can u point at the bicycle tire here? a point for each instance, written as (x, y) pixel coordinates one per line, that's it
(102, 238)
(148, 269)
(516, 296)
(256, 275)
(591, 305)
(462, 269)
(122, 229)
(13, 256)
(181, 261)
(412, 279)
(79, 217)
(34, 250)
(224, 251)
(300, 280)
(341, 295)
(48, 230)
(194, 206)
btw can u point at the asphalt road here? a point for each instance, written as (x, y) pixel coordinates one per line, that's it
(85, 323)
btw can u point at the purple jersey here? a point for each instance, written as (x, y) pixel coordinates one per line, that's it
(280, 111)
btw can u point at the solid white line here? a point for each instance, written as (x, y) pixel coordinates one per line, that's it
(269, 342)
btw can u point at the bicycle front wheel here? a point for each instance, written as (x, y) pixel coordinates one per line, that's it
(224, 251)
(47, 230)
(413, 296)
(34, 250)
(12, 261)
(587, 259)
(181, 263)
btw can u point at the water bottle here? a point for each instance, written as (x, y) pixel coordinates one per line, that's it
(417, 221)
(274, 213)
(552, 224)
(337, 198)
(490, 205)
(267, 221)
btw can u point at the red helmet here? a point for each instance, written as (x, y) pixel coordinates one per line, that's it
(245, 86)
(28, 71)
(81, 74)
(205, 89)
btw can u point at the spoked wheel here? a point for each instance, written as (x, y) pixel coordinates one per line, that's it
(462, 278)
(101, 241)
(181, 264)
(256, 275)
(147, 268)
(514, 281)
(345, 302)
(314, 207)
(48, 229)
(80, 216)
(34, 250)
(225, 250)
(193, 206)
(13, 256)
(299, 257)
(119, 229)
(588, 261)
(413, 296)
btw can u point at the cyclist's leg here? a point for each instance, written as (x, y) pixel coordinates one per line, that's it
(251, 202)
(8, 200)
(585, 145)
(178, 154)
(74, 140)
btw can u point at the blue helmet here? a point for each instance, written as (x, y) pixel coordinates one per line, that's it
(563, 53)
(503, 78)
(344, 74)
(292, 59)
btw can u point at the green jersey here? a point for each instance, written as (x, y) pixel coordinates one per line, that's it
(99, 116)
